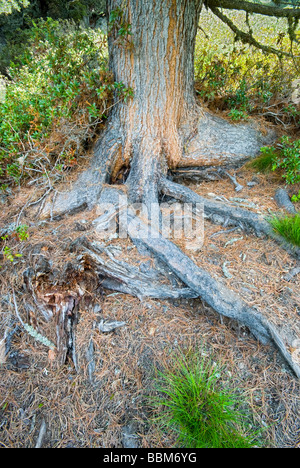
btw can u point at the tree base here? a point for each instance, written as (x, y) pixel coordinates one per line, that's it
(145, 184)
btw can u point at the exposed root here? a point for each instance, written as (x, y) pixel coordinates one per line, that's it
(221, 299)
(246, 220)
(149, 158)
(217, 142)
(125, 278)
(85, 192)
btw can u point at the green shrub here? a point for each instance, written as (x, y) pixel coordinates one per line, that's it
(7, 248)
(296, 198)
(288, 227)
(7, 6)
(195, 408)
(60, 92)
(288, 160)
(234, 77)
(237, 115)
(284, 158)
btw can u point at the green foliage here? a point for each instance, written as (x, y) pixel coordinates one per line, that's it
(119, 27)
(7, 6)
(288, 227)
(60, 82)
(265, 161)
(237, 115)
(284, 158)
(288, 160)
(296, 198)
(22, 232)
(193, 406)
(8, 251)
(242, 80)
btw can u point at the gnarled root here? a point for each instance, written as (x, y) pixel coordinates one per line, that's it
(246, 220)
(220, 298)
(216, 295)
(146, 181)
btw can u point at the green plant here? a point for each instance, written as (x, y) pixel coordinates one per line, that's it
(231, 75)
(59, 94)
(288, 160)
(288, 227)
(22, 232)
(118, 25)
(7, 6)
(237, 115)
(264, 162)
(9, 255)
(193, 405)
(8, 251)
(296, 198)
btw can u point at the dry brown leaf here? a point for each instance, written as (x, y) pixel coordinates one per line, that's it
(52, 355)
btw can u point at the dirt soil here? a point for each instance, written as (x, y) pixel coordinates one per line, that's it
(113, 410)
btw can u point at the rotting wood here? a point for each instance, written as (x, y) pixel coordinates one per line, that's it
(123, 277)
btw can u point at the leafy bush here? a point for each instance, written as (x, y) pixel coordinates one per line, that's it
(60, 92)
(288, 160)
(238, 78)
(193, 406)
(284, 158)
(7, 249)
(296, 198)
(7, 6)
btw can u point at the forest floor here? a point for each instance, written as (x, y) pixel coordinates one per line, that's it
(113, 411)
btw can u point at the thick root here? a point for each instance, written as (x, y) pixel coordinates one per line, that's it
(221, 299)
(246, 220)
(86, 190)
(218, 142)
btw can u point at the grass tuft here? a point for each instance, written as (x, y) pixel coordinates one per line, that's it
(262, 163)
(288, 227)
(195, 407)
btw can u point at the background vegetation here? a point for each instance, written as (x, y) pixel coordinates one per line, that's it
(58, 88)
(56, 92)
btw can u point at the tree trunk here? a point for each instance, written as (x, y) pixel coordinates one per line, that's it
(157, 61)
(162, 126)
(151, 47)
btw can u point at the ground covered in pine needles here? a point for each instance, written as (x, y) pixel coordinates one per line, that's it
(113, 409)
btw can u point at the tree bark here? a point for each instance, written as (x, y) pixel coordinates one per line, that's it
(157, 61)
(151, 47)
(162, 126)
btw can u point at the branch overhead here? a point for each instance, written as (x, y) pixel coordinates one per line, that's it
(248, 38)
(279, 8)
